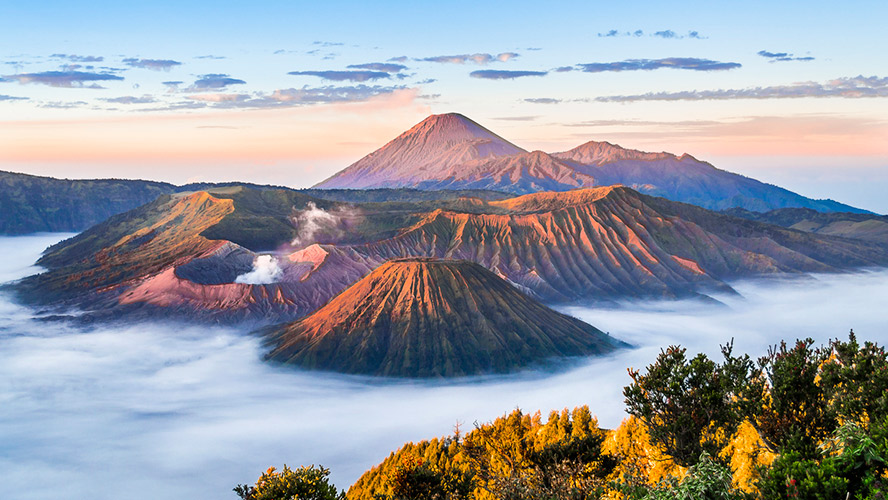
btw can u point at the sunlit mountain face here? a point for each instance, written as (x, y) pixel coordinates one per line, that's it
(453, 152)
(240, 254)
(390, 240)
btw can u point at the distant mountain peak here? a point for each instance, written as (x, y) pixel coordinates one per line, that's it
(451, 151)
(602, 152)
(425, 151)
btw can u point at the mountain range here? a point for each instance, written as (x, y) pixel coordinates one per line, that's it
(432, 256)
(184, 253)
(443, 152)
(31, 204)
(450, 151)
(867, 227)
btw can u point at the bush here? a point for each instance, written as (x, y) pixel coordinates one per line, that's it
(304, 483)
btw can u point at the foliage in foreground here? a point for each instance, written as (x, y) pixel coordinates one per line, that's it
(304, 483)
(802, 422)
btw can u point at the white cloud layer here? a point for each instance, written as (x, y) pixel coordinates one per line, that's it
(164, 411)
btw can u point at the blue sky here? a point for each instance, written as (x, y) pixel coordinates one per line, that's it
(289, 92)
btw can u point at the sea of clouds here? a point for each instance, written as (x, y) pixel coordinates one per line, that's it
(158, 410)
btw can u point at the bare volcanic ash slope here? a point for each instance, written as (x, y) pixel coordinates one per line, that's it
(433, 318)
(184, 254)
(605, 243)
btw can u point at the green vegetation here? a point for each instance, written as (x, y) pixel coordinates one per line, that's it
(859, 226)
(30, 204)
(304, 483)
(802, 422)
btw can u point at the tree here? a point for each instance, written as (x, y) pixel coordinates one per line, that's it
(691, 406)
(304, 483)
(856, 379)
(852, 464)
(794, 413)
(574, 468)
(706, 480)
(413, 479)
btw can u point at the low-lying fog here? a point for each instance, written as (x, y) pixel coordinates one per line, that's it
(159, 411)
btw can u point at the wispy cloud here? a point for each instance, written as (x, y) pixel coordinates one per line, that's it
(282, 98)
(152, 64)
(665, 34)
(398, 59)
(210, 56)
(327, 44)
(616, 33)
(528, 118)
(63, 104)
(213, 81)
(324, 95)
(80, 59)
(782, 56)
(856, 87)
(342, 76)
(384, 67)
(12, 98)
(172, 86)
(542, 100)
(218, 97)
(498, 74)
(479, 58)
(67, 79)
(129, 99)
(688, 63)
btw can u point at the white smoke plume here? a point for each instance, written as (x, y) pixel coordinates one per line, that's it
(265, 270)
(310, 222)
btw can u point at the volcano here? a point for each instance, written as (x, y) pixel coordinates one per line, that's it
(428, 151)
(421, 317)
(451, 151)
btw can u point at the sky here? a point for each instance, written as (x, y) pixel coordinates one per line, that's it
(793, 93)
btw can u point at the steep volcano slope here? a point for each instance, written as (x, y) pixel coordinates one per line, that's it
(137, 254)
(183, 253)
(518, 174)
(427, 151)
(604, 243)
(129, 246)
(432, 318)
(584, 245)
(686, 179)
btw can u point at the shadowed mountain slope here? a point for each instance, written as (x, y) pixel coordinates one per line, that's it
(686, 179)
(866, 227)
(30, 204)
(433, 318)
